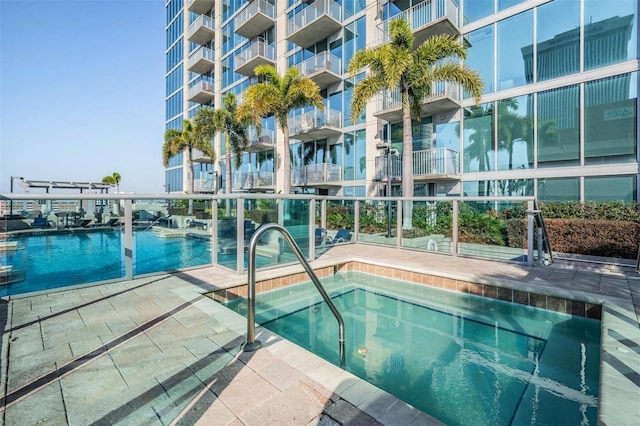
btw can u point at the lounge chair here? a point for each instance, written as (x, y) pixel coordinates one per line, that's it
(80, 223)
(40, 222)
(342, 236)
(114, 221)
(320, 236)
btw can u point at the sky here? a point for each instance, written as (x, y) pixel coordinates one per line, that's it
(82, 92)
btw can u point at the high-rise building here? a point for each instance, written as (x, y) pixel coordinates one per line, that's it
(557, 120)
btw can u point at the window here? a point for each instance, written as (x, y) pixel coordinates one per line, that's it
(480, 56)
(561, 189)
(515, 133)
(558, 44)
(478, 139)
(514, 35)
(610, 116)
(558, 127)
(610, 189)
(610, 32)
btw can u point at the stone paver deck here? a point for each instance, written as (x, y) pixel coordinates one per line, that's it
(157, 351)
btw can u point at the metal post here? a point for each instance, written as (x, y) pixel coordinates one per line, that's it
(389, 192)
(11, 191)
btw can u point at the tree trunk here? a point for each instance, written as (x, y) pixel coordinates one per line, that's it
(286, 164)
(227, 184)
(190, 181)
(407, 166)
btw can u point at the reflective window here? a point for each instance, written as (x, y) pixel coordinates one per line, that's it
(474, 9)
(480, 56)
(478, 139)
(174, 80)
(514, 35)
(610, 119)
(610, 32)
(505, 4)
(561, 189)
(174, 56)
(361, 155)
(610, 188)
(482, 188)
(173, 105)
(514, 187)
(447, 136)
(515, 133)
(174, 31)
(558, 43)
(173, 8)
(349, 156)
(559, 127)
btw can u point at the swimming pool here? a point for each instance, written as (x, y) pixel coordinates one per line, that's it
(55, 260)
(461, 358)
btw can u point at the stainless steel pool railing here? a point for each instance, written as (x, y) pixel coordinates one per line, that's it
(253, 344)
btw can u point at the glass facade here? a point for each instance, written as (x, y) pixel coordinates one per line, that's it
(558, 117)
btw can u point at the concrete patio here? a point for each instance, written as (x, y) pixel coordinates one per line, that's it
(156, 350)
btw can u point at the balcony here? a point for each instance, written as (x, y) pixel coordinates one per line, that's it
(429, 164)
(426, 19)
(200, 6)
(258, 53)
(444, 97)
(324, 69)
(201, 61)
(205, 185)
(323, 174)
(198, 156)
(201, 31)
(201, 92)
(255, 19)
(315, 22)
(253, 181)
(315, 124)
(266, 140)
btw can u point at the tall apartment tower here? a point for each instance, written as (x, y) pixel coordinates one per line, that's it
(558, 118)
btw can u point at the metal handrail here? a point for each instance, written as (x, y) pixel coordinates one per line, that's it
(537, 212)
(253, 344)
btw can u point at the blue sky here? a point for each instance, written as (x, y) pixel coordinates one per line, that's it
(82, 91)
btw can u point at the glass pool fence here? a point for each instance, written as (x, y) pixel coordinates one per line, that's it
(57, 240)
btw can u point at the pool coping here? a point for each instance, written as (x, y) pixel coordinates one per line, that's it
(620, 334)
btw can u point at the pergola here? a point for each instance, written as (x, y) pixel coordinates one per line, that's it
(56, 184)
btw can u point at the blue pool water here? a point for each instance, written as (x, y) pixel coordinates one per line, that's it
(57, 260)
(460, 358)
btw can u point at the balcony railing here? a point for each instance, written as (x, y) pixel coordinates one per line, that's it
(258, 53)
(266, 139)
(426, 19)
(255, 19)
(444, 96)
(431, 163)
(202, 30)
(201, 60)
(323, 68)
(205, 185)
(252, 180)
(315, 22)
(200, 6)
(316, 174)
(315, 124)
(201, 92)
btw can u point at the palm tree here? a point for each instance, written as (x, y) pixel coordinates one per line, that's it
(208, 122)
(176, 141)
(278, 96)
(114, 179)
(396, 65)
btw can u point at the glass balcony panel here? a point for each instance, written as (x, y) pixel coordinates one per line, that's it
(324, 69)
(317, 174)
(202, 30)
(265, 140)
(201, 92)
(255, 19)
(315, 22)
(444, 96)
(315, 124)
(253, 181)
(258, 53)
(201, 61)
(340, 221)
(432, 224)
(200, 6)
(227, 235)
(426, 19)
